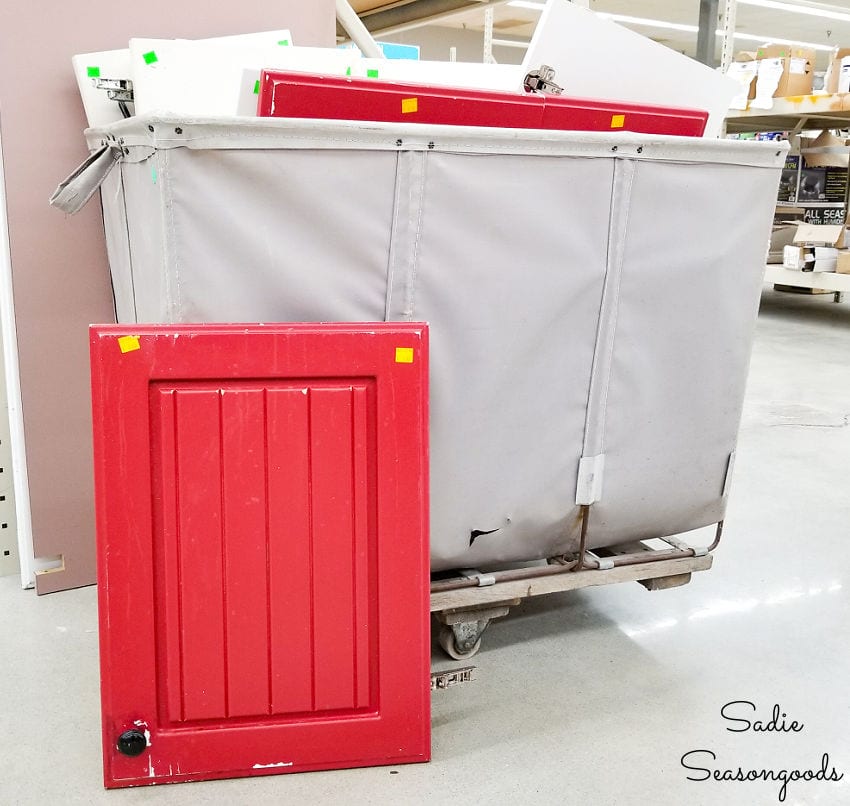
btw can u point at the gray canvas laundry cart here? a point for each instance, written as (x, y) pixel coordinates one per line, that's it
(592, 301)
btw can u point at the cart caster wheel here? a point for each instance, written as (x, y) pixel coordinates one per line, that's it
(455, 650)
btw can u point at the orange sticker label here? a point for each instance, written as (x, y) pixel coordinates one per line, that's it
(618, 121)
(409, 105)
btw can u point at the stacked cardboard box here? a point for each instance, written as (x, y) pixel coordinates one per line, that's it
(743, 69)
(838, 73)
(818, 248)
(773, 71)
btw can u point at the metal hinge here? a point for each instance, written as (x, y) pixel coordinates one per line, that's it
(542, 80)
(452, 677)
(117, 89)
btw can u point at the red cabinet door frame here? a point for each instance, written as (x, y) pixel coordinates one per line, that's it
(262, 512)
(301, 95)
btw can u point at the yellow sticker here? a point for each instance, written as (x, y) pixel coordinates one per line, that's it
(409, 105)
(618, 121)
(404, 355)
(129, 343)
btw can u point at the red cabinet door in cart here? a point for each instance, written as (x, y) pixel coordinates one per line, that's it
(262, 507)
(300, 95)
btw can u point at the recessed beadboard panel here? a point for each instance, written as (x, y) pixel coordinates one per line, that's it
(270, 488)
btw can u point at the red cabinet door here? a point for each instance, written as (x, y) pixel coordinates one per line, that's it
(263, 562)
(300, 95)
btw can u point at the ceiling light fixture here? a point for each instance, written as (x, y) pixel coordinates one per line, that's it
(826, 12)
(772, 40)
(673, 26)
(692, 29)
(813, 10)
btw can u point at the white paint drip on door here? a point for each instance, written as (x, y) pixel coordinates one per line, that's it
(278, 764)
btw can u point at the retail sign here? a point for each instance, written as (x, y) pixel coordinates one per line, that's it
(824, 215)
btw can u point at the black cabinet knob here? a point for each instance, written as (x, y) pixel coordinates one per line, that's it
(132, 743)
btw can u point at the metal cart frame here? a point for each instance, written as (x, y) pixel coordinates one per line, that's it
(464, 605)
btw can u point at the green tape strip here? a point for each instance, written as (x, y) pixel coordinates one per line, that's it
(257, 87)
(93, 72)
(283, 42)
(371, 74)
(150, 57)
(153, 175)
(348, 71)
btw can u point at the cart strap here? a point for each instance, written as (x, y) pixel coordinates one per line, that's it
(73, 192)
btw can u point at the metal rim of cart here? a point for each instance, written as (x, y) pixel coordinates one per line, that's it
(464, 605)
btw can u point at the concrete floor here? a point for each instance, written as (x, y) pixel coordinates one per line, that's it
(588, 697)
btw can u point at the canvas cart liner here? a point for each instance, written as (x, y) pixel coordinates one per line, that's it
(592, 297)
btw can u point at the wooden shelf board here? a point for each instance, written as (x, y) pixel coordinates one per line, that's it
(822, 112)
(775, 273)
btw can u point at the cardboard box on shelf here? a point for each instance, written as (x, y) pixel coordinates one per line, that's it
(826, 258)
(838, 73)
(820, 235)
(843, 264)
(780, 237)
(825, 151)
(819, 246)
(743, 69)
(796, 258)
(783, 70)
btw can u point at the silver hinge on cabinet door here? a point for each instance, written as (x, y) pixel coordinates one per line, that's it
(118, 89)
(542, 80)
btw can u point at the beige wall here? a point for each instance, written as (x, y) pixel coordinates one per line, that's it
(60, 275)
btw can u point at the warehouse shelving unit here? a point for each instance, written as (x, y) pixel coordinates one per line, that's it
(793, 114)
(796, 114)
